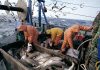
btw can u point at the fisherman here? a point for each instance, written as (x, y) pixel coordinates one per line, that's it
(69, 35)
(30, 34)
(56, 35)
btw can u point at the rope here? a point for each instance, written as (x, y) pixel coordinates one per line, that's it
(12, 12)
(96, 65)
(72, 13)
(89, 57)
(83, 43)
(83, 67)
(81, 5)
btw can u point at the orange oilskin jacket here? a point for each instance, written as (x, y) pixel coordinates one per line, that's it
(70, 33)
(30, 33)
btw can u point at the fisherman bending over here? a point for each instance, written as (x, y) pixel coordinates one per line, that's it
(56, 35)
(69, 35)
(30, 33)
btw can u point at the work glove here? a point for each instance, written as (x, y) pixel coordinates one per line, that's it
(29, 47)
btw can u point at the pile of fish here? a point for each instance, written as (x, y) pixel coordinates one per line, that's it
(42, 61)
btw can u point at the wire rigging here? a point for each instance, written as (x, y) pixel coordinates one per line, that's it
(74, 8)
(70, 13)
(81, 5)
(80, 14)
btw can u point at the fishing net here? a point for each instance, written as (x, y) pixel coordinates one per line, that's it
(91, 55)
(91, 58)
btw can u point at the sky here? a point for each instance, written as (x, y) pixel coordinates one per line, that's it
(73, 9)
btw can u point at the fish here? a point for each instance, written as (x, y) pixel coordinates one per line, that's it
(42, 56)
(53, 61)
(34, 55)
(56, 58)
(24, 56)
(28, 60)
(41, 61)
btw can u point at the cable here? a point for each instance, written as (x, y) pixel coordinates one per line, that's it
(12, 12)
(79, 14)
(82, 4)
(74, 8)
(83, 43)
(74, 13)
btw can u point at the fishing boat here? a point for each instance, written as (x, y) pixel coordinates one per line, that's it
(13, 58)
(11, 51)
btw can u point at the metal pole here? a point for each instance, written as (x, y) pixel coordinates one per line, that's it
(45, 16)
(10, 8)
(39, 18)
(30, 12)
(41, 7)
